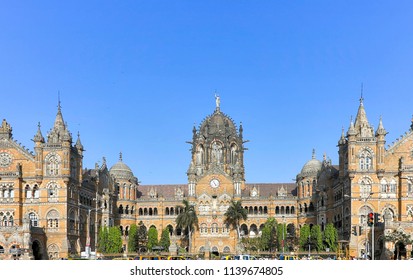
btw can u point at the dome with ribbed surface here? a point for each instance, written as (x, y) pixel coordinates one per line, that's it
(121, 171)
(312, 167)
(218, 123)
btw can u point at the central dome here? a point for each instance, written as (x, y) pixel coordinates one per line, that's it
(121, 171)
(218, 123)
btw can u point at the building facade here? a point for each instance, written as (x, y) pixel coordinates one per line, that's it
(52, 207)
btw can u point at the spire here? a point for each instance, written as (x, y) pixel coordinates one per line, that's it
(342, 140)
(59, 123)
(78, 144)
(120, 156)
(362, 126)
(380, 129)
(351, 130)
(38, 137)
(59, 132)
(313, 156)
(361, 117)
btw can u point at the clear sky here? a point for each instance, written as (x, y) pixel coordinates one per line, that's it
(135, 76)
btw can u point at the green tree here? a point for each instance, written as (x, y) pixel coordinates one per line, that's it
(187, 219)
(141, 239)
(234, 214)
(269, 235)
(281, 237)
(304, 236)
(103, 239)
(331, 237)
(132, 244)
(152, 238)
(317, 238)
(114, 243)
(165, 241)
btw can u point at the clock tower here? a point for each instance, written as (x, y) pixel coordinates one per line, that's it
(215, 177)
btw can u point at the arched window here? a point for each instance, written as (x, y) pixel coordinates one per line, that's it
(52, 219)
(34, 220)
(52, 164)
(203, 229)
(36, 191)
(366, 160)
(72, 220)
(234, 154)
(121, 209)
(410, 186)
(200, 155)
(28, 192)
(214, 228)
(384, 186)
(52, 191)
(393, 186)
(365, 187)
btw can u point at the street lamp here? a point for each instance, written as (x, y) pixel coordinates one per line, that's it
(283, 233)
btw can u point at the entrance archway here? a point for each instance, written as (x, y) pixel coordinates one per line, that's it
(37, 252)
(399, 251)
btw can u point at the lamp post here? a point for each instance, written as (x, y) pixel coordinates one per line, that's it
(283, 243)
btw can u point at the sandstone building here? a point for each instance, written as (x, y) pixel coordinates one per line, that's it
(51, 206)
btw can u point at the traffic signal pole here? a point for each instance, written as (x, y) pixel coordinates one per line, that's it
(372, 242)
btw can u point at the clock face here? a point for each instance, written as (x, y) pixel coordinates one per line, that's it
(214, 183)
(5, 159)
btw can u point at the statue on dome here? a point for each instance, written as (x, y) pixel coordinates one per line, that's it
(217, 100)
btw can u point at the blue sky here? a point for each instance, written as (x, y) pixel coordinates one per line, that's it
(135, 76)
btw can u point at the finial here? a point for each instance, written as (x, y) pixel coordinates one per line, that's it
(58, 100)
(120, 156)
(361, 97)
(313, 156)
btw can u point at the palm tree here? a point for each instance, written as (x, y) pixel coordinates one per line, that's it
(187, 219)
(235, 213)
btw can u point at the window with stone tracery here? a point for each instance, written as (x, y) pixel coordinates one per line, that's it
(52, 219)
(34, 220)
(366, 160)
(410, 186)
(52, 191)
(365, 188)
(52, 164)
(6, 219)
